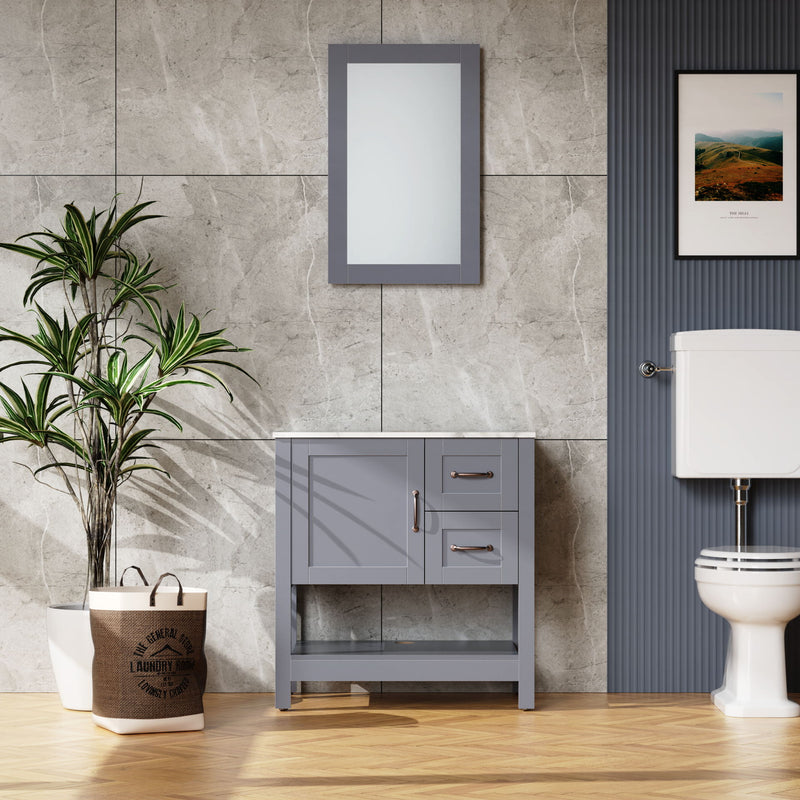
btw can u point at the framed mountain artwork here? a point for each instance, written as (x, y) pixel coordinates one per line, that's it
(736, 165)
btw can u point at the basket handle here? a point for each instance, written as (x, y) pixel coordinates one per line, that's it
(158, 583)
(141, 575)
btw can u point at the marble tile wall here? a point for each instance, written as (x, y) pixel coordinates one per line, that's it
(218, 112)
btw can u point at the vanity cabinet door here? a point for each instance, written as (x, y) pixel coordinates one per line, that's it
(354, 510)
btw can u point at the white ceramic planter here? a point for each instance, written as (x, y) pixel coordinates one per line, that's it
(71, 653)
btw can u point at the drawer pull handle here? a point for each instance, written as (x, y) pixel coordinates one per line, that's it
(459, 547)
(415, 527)
(488, 474)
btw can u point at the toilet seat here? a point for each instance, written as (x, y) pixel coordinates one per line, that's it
(765, 558)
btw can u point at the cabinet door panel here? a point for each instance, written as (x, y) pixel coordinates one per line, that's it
(353, 499)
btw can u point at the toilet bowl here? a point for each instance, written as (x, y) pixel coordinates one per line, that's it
(757, 590)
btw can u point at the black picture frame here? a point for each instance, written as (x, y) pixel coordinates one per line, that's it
(747, 226)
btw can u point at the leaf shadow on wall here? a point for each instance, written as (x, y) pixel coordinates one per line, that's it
(212, 524)
(45, 551)
(223, 420)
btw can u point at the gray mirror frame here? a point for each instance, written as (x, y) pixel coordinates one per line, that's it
(469, 270)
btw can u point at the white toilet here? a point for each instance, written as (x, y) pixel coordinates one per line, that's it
(736, 414)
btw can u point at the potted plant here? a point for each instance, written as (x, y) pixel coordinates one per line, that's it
(99, 366)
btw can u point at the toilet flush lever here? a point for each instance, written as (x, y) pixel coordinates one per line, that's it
(647, 369)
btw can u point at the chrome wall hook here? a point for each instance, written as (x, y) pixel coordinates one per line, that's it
(647, 369)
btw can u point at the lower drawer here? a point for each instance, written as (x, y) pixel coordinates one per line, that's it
(471, 547)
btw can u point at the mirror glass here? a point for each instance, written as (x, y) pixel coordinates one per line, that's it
(404, 164)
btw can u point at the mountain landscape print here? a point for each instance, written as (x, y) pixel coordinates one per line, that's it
(736, 164)
(739, 165)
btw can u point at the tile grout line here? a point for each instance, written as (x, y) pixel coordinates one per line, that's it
(116, 96)
(116, 189)
(117, 174)
(343, 435)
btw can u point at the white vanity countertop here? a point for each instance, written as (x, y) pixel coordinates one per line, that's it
(401, 435)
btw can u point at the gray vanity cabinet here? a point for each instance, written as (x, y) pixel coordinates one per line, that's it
(403, 509)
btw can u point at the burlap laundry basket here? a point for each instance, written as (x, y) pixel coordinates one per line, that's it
(149, 669)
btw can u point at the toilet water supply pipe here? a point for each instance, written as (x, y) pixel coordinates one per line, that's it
(740, 488)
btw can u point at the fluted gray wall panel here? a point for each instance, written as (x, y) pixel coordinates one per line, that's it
(661, 638)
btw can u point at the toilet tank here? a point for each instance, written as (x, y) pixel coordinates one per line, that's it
(736, 404)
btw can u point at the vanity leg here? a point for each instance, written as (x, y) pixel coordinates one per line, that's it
(525, 686)
(524, 616)
(285, 593)
(283, 651)
(515, 616)
(294, 685)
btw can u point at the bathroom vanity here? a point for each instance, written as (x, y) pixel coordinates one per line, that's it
(404, 508)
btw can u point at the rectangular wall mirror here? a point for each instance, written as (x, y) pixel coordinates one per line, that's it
(404, 163)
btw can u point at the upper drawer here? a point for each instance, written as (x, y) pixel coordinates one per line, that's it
(471, 474)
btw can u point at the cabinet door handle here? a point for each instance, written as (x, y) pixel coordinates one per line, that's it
(488, 474)
(459, 547)
(415, 527)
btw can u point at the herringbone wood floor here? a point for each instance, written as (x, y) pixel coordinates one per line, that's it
(405, 746)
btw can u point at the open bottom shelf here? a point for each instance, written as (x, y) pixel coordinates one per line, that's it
(405, 661)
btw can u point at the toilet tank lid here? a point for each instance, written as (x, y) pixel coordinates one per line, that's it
(735, 339)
